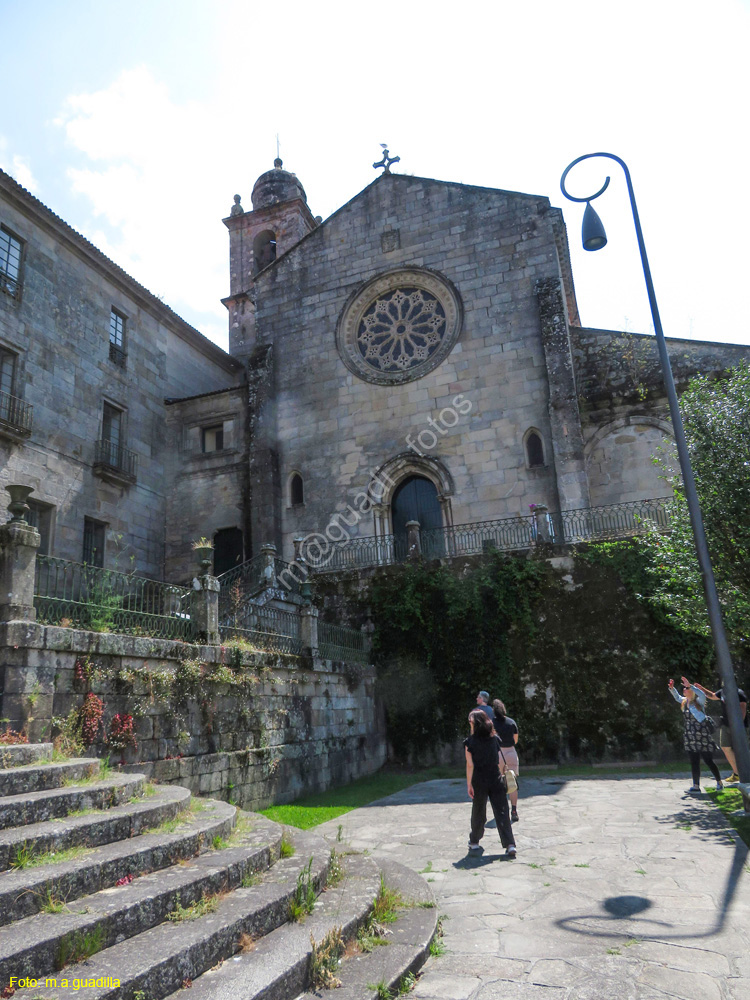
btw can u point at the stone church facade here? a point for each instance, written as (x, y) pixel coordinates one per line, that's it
(417, 356)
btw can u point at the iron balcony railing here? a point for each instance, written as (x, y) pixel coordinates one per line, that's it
(114, 456)
(117, 356)
(103, 600)
(506, 534)
(15, 414)
(338, 642)
(264, 627)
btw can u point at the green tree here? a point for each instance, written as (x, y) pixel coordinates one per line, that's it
(716, 412)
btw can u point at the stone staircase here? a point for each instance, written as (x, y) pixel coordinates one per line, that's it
(141, 891)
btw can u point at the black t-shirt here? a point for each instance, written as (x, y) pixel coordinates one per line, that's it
(742, 696)
(485, 754)
(506, 730)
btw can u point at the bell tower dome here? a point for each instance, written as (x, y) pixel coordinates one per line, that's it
(278, 220)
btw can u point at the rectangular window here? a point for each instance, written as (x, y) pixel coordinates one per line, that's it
(213, 438)
(10, 262)
(112, 425)
(7, 371)
(117, 338)
(93, 542)
(41, 517)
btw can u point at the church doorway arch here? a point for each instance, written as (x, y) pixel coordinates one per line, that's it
(415, 499)
(228, 550)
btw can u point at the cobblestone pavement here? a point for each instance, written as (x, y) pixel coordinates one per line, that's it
(623, 889)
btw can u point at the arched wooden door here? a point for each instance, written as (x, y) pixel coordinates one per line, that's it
(415, 499)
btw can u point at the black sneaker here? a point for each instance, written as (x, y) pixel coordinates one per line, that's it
(510, 852)
(473, 846)
(514, 815)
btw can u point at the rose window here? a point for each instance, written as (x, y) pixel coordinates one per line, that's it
(396, 330)
(401, 329)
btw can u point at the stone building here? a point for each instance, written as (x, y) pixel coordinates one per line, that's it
(87, 358)
(422, 350)
(418, 357)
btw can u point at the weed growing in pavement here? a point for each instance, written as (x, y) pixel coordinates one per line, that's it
(79, 946)
(335, 869)
(287, 849)
(325, 960)
(303, 900)
(198, 908)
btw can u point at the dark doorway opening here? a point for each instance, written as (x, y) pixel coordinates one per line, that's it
(228, 550)
(416, 499)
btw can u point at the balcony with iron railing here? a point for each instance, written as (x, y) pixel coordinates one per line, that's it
(556, 528)
(15, 417)
(115, 463)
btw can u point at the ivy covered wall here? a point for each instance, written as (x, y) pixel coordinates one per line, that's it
(571, 645)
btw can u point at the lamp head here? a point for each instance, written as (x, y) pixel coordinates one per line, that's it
(592, 230)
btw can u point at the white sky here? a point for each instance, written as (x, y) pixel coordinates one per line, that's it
(137, 122)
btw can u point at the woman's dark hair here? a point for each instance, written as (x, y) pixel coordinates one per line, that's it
(481, 722)
(499, 709)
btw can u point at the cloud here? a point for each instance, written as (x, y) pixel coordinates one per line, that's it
(158, 221)
(17, 166)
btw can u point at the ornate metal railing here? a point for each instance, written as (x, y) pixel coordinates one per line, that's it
(117, 355)
(243, 582)
(15, 414)
(338, 642)
(265, 628)
(507, 534)
(617, 520)
(115, 456)
(103, 600)
(357, 553)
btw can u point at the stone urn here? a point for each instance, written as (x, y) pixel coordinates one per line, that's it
(204, 552)
(18, 507)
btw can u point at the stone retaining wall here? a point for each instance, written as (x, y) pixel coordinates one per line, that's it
(256, 728)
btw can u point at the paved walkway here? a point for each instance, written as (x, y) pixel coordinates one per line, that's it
(623, 889)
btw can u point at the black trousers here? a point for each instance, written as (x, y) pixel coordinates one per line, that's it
(695, 765)
(496, 793)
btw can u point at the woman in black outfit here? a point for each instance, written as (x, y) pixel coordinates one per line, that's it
(483, 781)
(507, 732)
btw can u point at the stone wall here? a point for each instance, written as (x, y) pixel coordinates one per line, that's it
(257, 728)
(57, 329)
(206, 488)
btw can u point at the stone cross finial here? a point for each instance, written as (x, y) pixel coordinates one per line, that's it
(387, 160)
(237, 209)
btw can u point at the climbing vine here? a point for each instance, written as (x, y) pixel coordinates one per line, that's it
(581, 658)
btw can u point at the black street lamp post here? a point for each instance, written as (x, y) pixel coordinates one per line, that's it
(594, 238)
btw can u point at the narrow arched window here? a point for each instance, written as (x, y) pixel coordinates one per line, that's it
(534, 450)
(264, 249)
(296, 490)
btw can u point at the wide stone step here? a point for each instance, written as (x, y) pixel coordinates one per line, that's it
(36, 807)
(277, 967)
(37, 777)
(35, 946)
(22, 754)
(23, 892)
(166, 957)
(408, 948)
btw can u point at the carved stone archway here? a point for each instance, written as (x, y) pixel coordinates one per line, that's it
(392, 473)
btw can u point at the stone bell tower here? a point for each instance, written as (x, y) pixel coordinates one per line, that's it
(279, 219)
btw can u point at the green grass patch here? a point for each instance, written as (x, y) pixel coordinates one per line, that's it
(286, 848)
(311, 810)
(170, 825)
(79, 946)
(729, 801)
(26, 856)
(198, 908)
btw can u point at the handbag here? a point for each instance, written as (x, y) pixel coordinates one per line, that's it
(511, 781)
